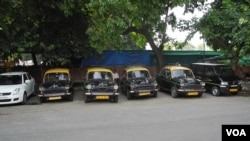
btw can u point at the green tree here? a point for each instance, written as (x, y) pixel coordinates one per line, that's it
(226, 27)
(145, 21)
(55, 29)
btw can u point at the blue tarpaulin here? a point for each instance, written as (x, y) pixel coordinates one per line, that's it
(118, 58)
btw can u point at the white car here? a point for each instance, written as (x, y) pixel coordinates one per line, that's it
(16, 87)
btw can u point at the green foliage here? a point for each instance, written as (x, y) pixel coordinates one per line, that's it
(226, 27)
(142, 21)
(55, 29)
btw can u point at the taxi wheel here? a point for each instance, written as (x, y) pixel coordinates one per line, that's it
(155, 94)
(215, 91)
(174, 92)
(128, 95)
(86, 99)
(115, 99)
(25, 98)
(41, 100)
(71, 98)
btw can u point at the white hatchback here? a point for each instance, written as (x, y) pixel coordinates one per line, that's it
(16, 87)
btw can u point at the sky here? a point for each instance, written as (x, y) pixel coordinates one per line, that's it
(180, 36)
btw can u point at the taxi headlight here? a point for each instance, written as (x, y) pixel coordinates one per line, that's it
(88, 86)
(115, 87)
(203, 84)
(41, 88)
(66, 87)
(132, 86)
(181, 84)
(224, 83)
(240, 82)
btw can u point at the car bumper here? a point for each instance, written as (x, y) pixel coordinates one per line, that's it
(54, 96)
(190, 92)
(4, 100)
(139, 93)
(230, 90)
(101, 96)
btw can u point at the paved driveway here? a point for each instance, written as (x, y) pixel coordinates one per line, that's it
(160, 119)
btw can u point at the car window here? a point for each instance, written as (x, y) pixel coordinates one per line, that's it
(29, 76)
(25, 77)
(182, 73)
(100, 75)
(209, 71)
(138, 74)
(10, 79)
(56, 76)
(224, 71)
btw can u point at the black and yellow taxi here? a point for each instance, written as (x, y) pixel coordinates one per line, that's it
(180, 81)
(99, 84)
(136, 81)
(56, 85)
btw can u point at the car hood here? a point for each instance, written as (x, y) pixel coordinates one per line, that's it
(55, 84)
(188, 80)
(230, 78)
(9, 88)
(144, 80)
(101, 83)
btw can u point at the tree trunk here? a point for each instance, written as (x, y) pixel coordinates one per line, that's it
(34, 59)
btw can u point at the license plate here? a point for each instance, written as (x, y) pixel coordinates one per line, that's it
(233, 90)
(144, 93)
(192, 93)
(102, 97)
(55, 98)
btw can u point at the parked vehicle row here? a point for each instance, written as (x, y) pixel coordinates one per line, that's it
(135, 81)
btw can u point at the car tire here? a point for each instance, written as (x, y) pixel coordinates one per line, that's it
(86, 99)
(115, 99)
(215, 91)
(41, 100)
(25, 99)
(34, 92)
(71, 98)
(174, 92)
(128, 94)
(155, 94)
(200, 95)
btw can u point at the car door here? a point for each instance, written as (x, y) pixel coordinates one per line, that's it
(163, 79)
(28, 84)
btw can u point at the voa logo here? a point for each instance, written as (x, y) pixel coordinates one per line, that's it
(236, 132)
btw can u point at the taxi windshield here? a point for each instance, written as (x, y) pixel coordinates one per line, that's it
(138, 74)
(182, 73)
(56, 76)
(100, 75)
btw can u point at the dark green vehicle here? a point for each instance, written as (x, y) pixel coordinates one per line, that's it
(220, 79)
(136, 81)
(180, 81)
(56, 85)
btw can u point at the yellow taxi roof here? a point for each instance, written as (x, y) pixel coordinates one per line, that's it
(98, 69)
(54, 70)
(132, 68)
(176, 68)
